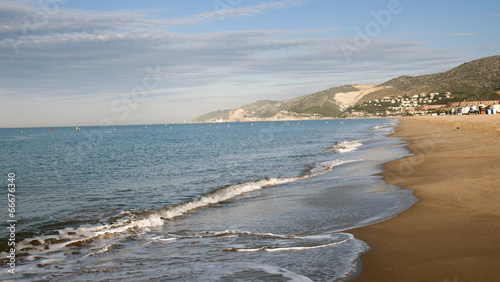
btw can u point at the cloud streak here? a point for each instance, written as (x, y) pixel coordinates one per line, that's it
(233, 13)
(465, 34)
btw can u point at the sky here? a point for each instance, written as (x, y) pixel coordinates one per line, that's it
(86, 62)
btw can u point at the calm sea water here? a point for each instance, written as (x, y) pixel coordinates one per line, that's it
(206, 202)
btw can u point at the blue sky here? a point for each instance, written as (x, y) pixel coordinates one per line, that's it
(84, 62)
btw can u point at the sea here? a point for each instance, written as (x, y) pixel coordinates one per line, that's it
(239, 201)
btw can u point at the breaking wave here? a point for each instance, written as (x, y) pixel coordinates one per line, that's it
(221, 195)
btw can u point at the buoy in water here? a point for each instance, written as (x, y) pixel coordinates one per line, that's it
(51, 129)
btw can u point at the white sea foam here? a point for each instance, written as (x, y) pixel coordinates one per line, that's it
(49, 261)
(378, 127)
(238, 232)
(345, 146)
(223, 270)
(281, 271)
(162, 239)
(324, 167)
(102, 250)
(385, 126)
(70, 238)
(298, 243)
(307, 248)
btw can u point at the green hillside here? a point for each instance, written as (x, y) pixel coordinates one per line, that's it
(477, 79)
(224, 114)
(321, 104)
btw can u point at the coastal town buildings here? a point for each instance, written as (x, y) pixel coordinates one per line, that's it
(423, 104)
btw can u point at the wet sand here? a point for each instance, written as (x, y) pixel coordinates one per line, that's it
(453, 232)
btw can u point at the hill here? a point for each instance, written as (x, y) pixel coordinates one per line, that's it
(475, 80)
(327, 103)
(212, 116)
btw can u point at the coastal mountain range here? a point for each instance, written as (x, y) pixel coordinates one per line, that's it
(475, 80)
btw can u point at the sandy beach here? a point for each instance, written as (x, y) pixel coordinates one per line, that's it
(452, 232)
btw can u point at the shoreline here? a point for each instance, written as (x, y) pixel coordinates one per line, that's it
(451, 233)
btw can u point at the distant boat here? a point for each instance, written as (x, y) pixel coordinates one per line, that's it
(219, 120)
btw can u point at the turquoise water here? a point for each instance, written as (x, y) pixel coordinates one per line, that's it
(250, 201)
